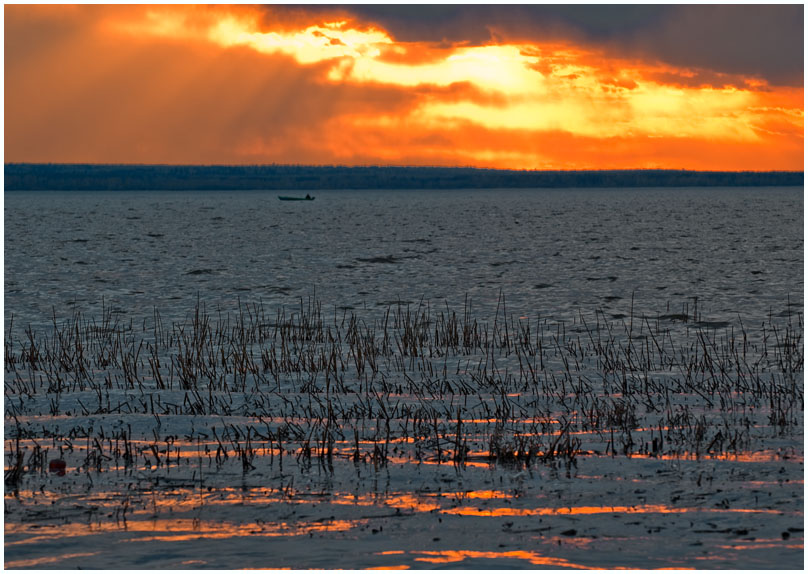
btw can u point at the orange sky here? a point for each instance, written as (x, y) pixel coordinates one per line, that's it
(248, 85)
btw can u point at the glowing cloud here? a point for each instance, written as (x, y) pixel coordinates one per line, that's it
(364, 97)
(314, 44)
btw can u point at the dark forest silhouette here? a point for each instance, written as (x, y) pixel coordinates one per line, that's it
(20, 176)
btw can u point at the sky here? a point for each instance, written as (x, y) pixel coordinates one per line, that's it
(708, 87)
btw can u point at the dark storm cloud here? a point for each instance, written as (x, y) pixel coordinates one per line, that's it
(763, 40)
(759, 40)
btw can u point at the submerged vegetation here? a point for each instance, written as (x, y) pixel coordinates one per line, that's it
(419, 383)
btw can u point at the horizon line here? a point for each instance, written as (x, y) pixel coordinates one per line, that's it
(399, 166)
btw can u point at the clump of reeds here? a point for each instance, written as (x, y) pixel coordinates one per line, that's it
(420, 382)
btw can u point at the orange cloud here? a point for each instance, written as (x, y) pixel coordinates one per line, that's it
(237, 84)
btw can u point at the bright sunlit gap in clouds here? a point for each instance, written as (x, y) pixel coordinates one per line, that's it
(357, 77)
(314, 44)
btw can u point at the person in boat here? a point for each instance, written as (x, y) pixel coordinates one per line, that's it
(308, 196)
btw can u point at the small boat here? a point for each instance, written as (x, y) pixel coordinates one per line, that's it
(292, 198)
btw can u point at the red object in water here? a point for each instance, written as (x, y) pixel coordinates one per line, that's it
(58, 466)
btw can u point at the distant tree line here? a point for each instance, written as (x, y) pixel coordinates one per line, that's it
(26, 176)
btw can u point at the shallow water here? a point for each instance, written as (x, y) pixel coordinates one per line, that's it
(551, 252)
(654, 331)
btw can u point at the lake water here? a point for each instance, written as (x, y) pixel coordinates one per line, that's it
(550, 252)
(624, 390)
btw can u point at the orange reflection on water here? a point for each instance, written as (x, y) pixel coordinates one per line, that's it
(179, 529)
(182, 451)
(34, 562)
(397, 500)
(186, 529)
(770, 482)
(449, 556)
(758, 456)
(761, 545)
(410, 501)
(639, 509)
(484, 494)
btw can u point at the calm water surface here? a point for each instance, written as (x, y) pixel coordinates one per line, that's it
(551, 252)
(723, 488)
